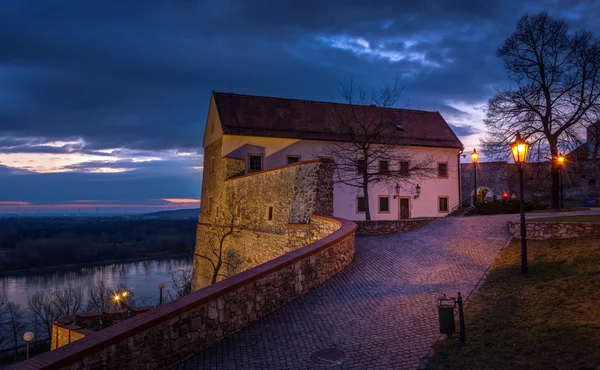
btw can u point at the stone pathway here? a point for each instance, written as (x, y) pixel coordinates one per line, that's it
(381, 312)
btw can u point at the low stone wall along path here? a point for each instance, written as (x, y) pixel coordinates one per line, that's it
(380, 312)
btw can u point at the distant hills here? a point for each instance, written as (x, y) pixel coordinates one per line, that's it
(178, 213)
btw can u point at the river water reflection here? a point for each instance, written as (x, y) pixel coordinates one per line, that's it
(142, 278)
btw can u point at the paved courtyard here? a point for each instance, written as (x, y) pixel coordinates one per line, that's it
(381, 312)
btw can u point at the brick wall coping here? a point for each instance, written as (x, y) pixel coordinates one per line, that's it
(112, 335)
(312, 161)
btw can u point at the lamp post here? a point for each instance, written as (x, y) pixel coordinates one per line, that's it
(519, 150)
(160, 288)
(28, 337)
(561, 166)
(475, 159)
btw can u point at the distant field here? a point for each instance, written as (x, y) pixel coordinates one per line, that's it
(38, 242)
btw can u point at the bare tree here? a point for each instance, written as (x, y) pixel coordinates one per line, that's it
(52, 305)
(14, 324)
(4, 333)
(366, 153)
(233, 215)
(100, 298)
(556, 91)
(68, 301)
(180, 281)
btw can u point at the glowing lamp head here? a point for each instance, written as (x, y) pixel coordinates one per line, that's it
(560, 159)
(124, 294)
(28, 336)
(160, 286)
(116, 297)
(519, 149)
(474, 156)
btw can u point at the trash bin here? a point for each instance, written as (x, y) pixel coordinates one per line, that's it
(446, 315)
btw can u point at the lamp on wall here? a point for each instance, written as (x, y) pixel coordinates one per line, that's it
(417, 191)
(397, 189)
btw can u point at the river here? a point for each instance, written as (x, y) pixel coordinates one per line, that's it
(142, 278)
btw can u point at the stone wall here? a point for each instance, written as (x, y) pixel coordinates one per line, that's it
(178, 330)
(388, 227)
(581, 180)
(293, 192)
(555, 230)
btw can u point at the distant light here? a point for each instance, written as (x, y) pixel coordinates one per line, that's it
(116, 297)
(400, 127)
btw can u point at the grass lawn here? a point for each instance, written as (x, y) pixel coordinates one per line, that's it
(548, 319)
(587, 218)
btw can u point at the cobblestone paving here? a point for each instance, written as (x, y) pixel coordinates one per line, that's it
(381, 311)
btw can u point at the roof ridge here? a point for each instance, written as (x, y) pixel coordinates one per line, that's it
(320, 102)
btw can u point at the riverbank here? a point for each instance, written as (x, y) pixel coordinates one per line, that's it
(43, 270)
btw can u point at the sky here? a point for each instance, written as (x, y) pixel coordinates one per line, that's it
(103, 103)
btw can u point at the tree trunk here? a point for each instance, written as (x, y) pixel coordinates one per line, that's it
(555, 175)
(366, 194)
(216, 272)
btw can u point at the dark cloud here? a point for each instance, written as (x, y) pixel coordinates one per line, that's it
(138, 75)
(464, 130)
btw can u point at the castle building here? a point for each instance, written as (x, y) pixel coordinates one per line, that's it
(264, 133)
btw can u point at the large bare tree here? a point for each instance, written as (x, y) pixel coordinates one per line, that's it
(555, 91)
(365, 125)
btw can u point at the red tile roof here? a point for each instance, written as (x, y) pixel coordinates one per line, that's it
(304, 119)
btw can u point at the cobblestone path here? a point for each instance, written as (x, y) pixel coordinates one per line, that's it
(381, 312)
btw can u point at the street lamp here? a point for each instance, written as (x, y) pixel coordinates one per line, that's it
(28, 337)
(519, 150)
(475, 159)
(160, 288)
(561, 166)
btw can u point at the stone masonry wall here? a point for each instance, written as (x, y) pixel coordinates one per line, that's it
(180, 329)
(388, 227)
(293, 192)
(555, 230)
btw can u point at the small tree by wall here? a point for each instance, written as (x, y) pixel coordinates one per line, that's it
(233, 215)
(364, 123)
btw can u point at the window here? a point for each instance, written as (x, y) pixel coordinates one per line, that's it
(384, 204)
(212, 164)
(384, 166)
(592, 181)
(442, 204)
(210, 204)
(361, 166)
(293, 159)
(442, 169)
(254, 163)
(212, 127)
(361, 206)
(404, 169)
(270, 213)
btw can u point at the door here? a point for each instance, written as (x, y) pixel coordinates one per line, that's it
(404, 208)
